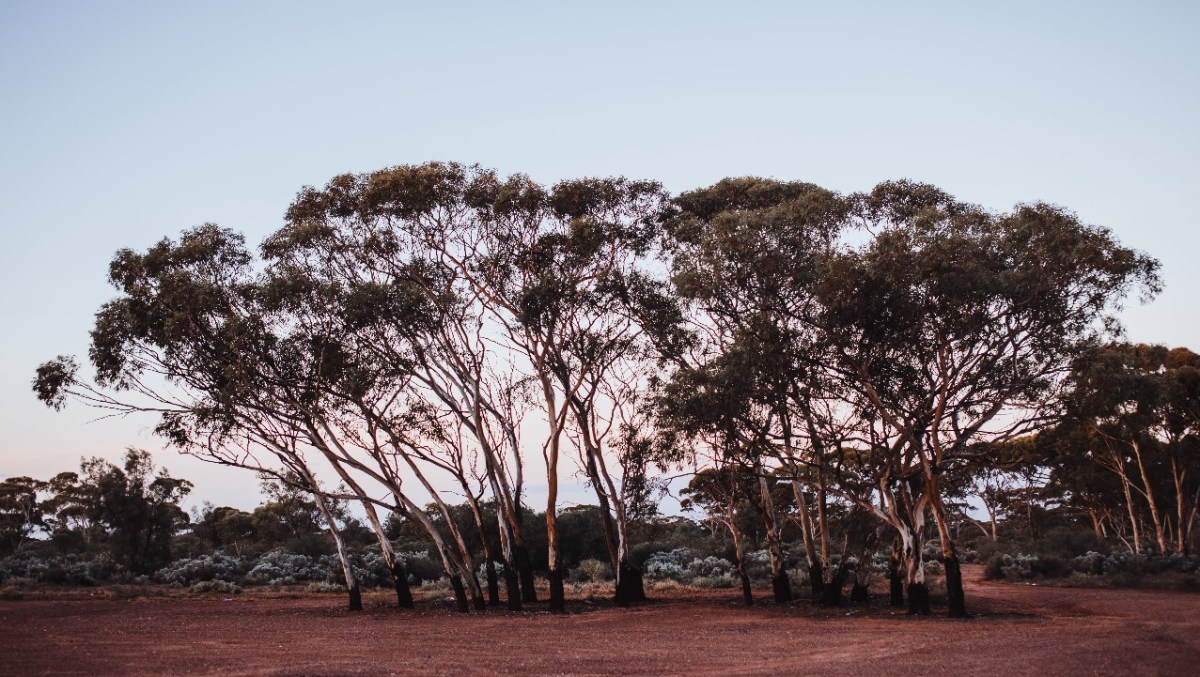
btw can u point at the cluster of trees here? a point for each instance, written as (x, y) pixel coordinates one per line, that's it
(1124, 457)
(425, 332)
(129, 512)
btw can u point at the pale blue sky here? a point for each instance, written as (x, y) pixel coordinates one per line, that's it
(124, 122)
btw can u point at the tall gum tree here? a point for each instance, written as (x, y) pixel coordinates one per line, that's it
(957, 325)
(539, 272)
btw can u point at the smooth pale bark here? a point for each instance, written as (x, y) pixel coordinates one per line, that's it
(831, 594)
(895, 579)
(1119, 467)
(404, 598)
(1097, 524)
(629, 585)
(739, 550)
(918, 592)
(816, 574)
(352, 588)
(1148, 492)
(955, 596)
(489, 560)
(781, 587)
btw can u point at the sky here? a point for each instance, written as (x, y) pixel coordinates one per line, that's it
(123, 122)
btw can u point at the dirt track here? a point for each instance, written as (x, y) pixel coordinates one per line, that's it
(1017, 630)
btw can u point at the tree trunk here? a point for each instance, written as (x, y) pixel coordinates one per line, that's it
(832, 594)
(739, 549)
(493, 585)
(918, 593)
(525, 571)
(1133, 523)
(629, 584)
(1181, 532)
(489, 563)
(355, 603)
(512, 589)
(404, 598)
(955, 596)
(558, 601)
(1155, 519)
(512, 585)
(1097, 529)
(781, 587)
(557, 596)
(895, 579)
(816, 572)
(460, 594)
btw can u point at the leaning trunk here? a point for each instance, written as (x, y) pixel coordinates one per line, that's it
(955, 596)
(1155, 518)
(352, 589)
(739, 553)
(781, 587)
(816, 574)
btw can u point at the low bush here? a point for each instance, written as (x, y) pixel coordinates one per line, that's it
(217, 586)
(591, 571)
(191, 570)
(324, 588)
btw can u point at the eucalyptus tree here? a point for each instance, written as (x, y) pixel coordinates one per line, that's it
(953, 325)
(527, 281)
(22, 512)
(205, 342)
(720, 493)
(1134, 407)
(745, 254)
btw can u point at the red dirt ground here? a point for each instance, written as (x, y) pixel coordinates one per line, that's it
(1016, 630)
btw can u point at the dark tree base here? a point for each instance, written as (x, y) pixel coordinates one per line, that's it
(782, 588)
(528, 591)
(747, 592)
(954, 588)
(477, 600)
(355, 599)
(404, 598)
(558, 601)
(493, 585)
(513, 587)
(918, 599)
(896, 588)
(460, 595)
(630, 588)
(816, 580)
(832, 594)
(859, 593)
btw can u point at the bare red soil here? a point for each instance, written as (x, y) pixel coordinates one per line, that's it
(1016, 630)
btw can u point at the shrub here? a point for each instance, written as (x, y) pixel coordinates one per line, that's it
(223, 587)
(1049, 566)
(188, 571)
(994, 569)
(420, 567)
(667, 565)
(66, 570)
(285, 568)
(323, 587)
(591, 571)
